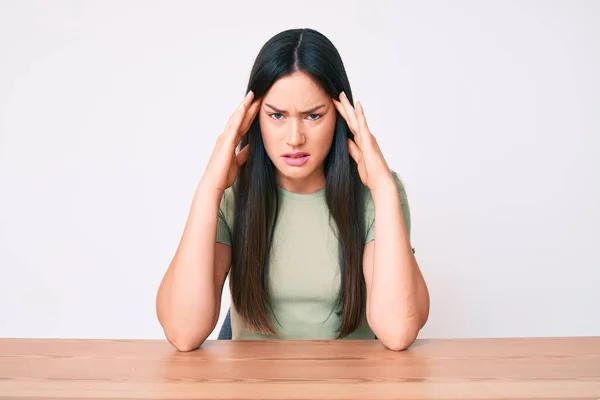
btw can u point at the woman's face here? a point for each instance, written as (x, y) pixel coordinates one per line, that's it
(296, 115)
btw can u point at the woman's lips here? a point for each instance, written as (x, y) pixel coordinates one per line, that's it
(296, 161)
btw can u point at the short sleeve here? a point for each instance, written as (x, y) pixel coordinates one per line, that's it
(370, 210)
(225, 218)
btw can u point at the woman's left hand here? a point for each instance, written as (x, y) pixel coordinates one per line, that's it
(372, 167)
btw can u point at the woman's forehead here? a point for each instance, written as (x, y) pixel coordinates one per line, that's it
(298, 90)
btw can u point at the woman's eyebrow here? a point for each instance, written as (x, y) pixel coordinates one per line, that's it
(304, 112)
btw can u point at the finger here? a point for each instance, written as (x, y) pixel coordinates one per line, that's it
(249, 117)
(242, 155)
(340, 108)
(362, 120)
(350, 113)
(236, 119)
(354, 151)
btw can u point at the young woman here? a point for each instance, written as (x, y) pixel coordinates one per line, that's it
(298, 207)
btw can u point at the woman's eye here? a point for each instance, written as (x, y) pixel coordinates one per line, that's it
(279, 116)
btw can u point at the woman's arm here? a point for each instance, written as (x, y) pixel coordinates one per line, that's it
(397, 296)
(189, 297)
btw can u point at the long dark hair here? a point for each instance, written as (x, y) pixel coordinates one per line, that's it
(256, 202)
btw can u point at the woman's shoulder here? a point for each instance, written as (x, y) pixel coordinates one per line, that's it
(399, 186)
(228, 198)
(227, 205)
(370, 207)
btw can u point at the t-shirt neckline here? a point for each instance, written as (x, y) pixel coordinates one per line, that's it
(301, 196)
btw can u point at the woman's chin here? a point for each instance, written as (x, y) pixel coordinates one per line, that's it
(287, 172)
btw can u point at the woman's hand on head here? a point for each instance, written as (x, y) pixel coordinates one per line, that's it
(224, 163)
(364, 149)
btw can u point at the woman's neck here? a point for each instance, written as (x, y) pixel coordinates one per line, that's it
(305, 185)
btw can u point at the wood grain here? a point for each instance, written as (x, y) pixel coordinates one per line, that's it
(524, 368)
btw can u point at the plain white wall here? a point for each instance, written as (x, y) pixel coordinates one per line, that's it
(488, 110)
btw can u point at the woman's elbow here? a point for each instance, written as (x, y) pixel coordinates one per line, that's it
(185, 346)
(184, 342)
(399, 342)
(186, 339)
(398, 337)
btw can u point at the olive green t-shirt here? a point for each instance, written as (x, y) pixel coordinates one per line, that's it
(304, 273)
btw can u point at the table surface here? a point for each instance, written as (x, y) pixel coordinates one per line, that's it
(524, 368)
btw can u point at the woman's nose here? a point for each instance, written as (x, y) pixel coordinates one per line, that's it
(295, 136)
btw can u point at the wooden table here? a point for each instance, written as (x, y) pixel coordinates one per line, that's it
(541, 368)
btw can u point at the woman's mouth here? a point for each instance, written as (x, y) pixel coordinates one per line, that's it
(296, 159)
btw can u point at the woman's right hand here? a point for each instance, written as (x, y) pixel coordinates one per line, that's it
(224, 163)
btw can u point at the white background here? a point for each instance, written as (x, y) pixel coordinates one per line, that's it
(489, 111)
